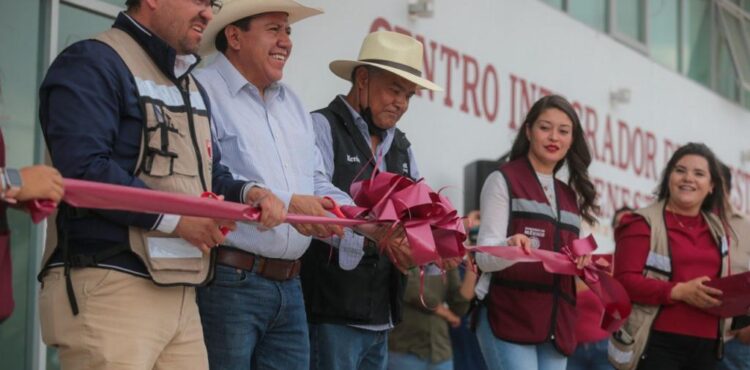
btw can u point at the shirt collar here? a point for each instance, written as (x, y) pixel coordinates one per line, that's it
(166, 58)
(236, 81)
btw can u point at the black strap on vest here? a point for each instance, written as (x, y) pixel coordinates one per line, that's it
(80, 260)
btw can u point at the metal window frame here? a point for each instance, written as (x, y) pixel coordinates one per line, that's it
(726, 8)
(51, 22)
(641, 46)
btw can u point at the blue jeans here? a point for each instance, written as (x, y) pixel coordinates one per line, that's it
(502, 355)
(342, 347)
(250, 322)
(736, 356)
(590, 356)
(408, 361)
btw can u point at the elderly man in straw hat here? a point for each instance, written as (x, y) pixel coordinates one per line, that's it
(351, 311)
(253, 313)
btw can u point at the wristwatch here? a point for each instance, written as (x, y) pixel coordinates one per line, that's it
(12, 181)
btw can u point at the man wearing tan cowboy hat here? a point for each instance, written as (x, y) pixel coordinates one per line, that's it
(351, 311)
(253, 313)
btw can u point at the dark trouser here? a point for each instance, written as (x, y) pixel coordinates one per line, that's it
(668, 351)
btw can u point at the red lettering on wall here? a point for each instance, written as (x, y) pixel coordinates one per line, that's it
(429, 63)
(590, 123)
(490, 102)
(471, 80)
(451, 57)
(650, 155)
(380, 24)
(512, 123)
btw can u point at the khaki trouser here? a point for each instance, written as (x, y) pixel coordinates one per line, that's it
(125, 322)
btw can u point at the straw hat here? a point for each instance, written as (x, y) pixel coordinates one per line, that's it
(234, 10)
(389, 51)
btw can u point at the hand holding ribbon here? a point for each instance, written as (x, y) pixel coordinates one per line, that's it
(612, 295)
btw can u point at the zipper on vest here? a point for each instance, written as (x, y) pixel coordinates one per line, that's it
(555, 283)
(186, 99)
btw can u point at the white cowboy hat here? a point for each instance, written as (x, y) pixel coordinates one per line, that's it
(389, 51)
(234, 10)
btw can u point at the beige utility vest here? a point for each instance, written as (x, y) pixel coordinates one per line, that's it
(175, 156)
(626, 346)
(739, 242)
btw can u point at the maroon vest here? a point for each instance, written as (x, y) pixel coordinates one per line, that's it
(527, 304)
(6, 285)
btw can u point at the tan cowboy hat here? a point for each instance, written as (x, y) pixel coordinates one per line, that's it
(234, 10)
(389, 51)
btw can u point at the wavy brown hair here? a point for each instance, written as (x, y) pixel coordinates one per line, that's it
(717, 200)
(578, 156)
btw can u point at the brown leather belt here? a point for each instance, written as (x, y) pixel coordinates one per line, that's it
(269, 268)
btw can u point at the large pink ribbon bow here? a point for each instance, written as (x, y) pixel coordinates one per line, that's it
(431, 223)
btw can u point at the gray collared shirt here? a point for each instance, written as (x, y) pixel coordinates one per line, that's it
(271, 143)
(324, 140)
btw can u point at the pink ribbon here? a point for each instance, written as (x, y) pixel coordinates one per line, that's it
(431, 223)
(88, 194)
(609, 291)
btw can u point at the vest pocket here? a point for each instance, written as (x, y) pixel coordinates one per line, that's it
(169, 148)
(168, 253)
(627, 344)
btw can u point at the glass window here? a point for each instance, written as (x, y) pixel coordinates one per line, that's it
(556, 3)
(732, 29)
(696, 59)
(629, 19)
(663, 28)
(77, 24)
(591, 12)
(727, 79)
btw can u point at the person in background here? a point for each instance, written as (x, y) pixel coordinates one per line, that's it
(664, 254)
(466, 352)
(591, 352)
(737, 349)
(19, 186)
(528, 318)
(421, 341)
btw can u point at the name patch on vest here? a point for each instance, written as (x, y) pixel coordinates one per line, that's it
(352, 159)
(532, 231)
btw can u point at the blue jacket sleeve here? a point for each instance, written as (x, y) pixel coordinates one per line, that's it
(90, 132)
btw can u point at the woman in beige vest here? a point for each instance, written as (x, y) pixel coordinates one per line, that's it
(665, 254)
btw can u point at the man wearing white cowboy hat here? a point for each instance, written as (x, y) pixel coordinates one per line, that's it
(351, 311)
(253, 313)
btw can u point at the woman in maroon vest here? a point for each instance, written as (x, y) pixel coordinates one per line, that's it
(528, 319)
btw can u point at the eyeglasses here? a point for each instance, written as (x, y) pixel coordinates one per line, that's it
(215, 5)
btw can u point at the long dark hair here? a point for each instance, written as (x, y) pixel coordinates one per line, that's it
(717, 200)
(578, 156)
